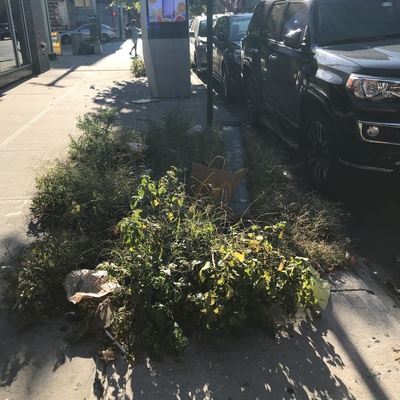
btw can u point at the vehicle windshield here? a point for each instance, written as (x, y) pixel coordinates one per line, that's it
(347, 21)
(203, 28)
(238, 28)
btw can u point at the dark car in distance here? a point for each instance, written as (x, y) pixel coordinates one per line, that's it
(5, 32)
(325, 75)
(228, 31)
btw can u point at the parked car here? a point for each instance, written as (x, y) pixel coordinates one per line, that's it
(227, 34)
(4, 32)
(326, 76)
(198, 44)
(107, 33)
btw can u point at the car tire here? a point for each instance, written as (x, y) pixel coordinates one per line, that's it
(252, 102)
(320, 164)
(66, 39)
(105, 38)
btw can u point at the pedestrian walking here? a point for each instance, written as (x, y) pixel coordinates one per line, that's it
(134, 36)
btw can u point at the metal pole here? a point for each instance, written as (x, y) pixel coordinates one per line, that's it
(209, 63)
(94, 6)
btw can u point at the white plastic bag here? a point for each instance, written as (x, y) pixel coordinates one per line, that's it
(86, 283)
(321, 289)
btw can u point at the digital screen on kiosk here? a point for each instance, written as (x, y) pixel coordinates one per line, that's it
(166, 10)
(167, 19)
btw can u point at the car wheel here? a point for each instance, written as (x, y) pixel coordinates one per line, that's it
(318, 156)
(252, 102)
(105, 38)
(66, 39)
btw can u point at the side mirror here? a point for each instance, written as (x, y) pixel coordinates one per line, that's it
(191, 33)
(293, 39)
(220, 35)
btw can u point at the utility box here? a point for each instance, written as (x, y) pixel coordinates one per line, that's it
(56, 43)
(76, 40)
(95, 28)
(165, 39)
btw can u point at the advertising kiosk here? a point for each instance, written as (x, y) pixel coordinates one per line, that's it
(165, 38)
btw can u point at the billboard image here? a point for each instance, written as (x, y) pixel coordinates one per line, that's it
(166, 11)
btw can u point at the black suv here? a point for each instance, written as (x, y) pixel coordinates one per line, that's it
(325, 74)
(228, 31)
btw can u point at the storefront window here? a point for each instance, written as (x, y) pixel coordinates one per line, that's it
(14, 49)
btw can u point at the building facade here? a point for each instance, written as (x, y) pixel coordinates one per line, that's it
(24, 39)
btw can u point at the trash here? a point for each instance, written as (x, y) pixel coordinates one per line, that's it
(143, 101)
(108, 355)
(321, 289)
(104, 315)
(85, 283)
(219, 184)
(136, 146)
(197, 129)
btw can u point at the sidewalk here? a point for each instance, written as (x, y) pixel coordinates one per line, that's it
(352, 352)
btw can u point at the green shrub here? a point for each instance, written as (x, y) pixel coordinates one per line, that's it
(185, 265)
(183, 269)
(138, 68)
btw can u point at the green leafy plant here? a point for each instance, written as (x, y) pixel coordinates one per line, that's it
(184, 269)
(138, 68)
(185, 265)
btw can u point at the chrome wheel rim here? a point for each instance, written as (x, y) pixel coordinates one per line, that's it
(317, 152)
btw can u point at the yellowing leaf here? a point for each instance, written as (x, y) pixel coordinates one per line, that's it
(282, 265)
(239, 256)
(210, 299)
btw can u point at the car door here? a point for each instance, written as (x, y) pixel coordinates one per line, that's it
(268, 39)
(192, 38)
(285, 66)
(220, 36)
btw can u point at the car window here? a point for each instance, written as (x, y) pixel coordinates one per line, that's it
(221, 27)
(203, 28)
(273, 20)
(238, 28)
(83, 27)
(349, 20)
(295, 18)
(258, 18)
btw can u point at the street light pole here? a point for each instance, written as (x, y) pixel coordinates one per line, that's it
(209, 63)
(94, 6)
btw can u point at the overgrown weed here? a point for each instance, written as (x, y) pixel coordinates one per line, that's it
(185, 266)
(314, 225)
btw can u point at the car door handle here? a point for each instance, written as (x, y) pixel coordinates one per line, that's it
(273, 57)
(254, 50)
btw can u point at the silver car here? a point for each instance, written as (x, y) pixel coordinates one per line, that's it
(198, 44)
(107, 33)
